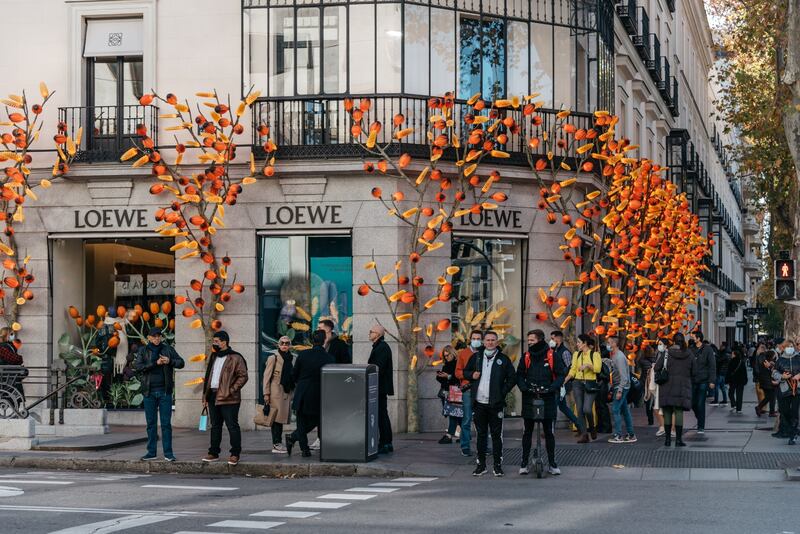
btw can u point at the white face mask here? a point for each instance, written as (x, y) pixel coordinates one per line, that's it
(661, 347)
(475, 343)
(552, 344)
(789, 351)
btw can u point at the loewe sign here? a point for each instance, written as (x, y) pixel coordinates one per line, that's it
(304, 214)
(111, 218)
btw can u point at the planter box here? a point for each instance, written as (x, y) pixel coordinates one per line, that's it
(80, 422)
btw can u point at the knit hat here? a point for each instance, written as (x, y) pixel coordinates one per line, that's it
(154, 331)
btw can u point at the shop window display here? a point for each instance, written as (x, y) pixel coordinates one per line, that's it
(303, 279)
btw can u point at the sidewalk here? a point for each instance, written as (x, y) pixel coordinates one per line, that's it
(730, 442)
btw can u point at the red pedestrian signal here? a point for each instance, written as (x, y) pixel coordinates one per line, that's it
(784, 269)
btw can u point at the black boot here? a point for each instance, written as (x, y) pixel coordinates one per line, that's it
(667, 435)
(679, 437)
(289, 444)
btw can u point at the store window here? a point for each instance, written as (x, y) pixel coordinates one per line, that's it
(303, 279)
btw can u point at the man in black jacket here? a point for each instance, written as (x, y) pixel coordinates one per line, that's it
(307, 375)
(492, 377)
(335, 345)
(155, 365)
(381, 355)
(705, 377)
(540, 367)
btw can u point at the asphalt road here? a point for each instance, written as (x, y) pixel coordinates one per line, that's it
(36, 502)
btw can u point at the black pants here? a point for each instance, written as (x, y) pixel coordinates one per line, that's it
(488, 420)
(384, 423)
(305, 424)
(769, 397)
(228, 414)
(549, 440)
(789, 407)
(277, 433)
(604, 425)
(736, 393)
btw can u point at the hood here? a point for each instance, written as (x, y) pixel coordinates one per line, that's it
(678, 353)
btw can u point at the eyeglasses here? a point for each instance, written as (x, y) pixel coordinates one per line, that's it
(283, 343)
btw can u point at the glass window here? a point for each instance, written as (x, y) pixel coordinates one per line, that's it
(106, 80)
(303, 279)
(517, 59)
(334, 36)
(417, 48)
(281, 52)
(542, 62)
(443, 55)
(308, 52)
(389, 48)
(362, 49)
(469, 56)
(255, 54)
(493, 66)
(565, 73)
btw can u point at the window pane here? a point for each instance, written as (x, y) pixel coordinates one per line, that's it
(542, 62)
(255, 53)
(362, 49)
(308, 53)
(389, 48)
(417, 48)
(469, 57)
(132, 86)
(517, 59)
(106, 78)
(565, 75)
(335, 49)
(281, 51)
(443, 55)
(493, 49)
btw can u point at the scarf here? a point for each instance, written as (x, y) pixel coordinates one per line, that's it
(286, 374)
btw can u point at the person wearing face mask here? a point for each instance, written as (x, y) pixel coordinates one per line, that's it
(561, 352)
(675, 395)
(651, 395)
(787, 374)
(464, 355)
(704, 378)
(447, 378)
(226, 375)
(621, 385)
(644, 363)
(586, 364)
(492, 377)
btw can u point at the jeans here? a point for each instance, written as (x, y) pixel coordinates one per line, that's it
(621, 409)
(489, 420)
(549, 440)
(737, 392)
(563, 407)
(384, 423)
(277, 433)
(721, 389)
(699, 403)
(158, 403)
(228, 414)
(583, 403)
(466, 421)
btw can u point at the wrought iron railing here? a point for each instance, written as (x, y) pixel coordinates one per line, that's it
(654, 63)
(641, 41)
(108, 131)
(309, 128)
(674, 108)
(22, 388)
(626, 11)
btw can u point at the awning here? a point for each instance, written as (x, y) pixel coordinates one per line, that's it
(113, 37)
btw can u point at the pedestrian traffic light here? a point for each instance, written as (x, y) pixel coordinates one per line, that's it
(784, 269)
(784, 290)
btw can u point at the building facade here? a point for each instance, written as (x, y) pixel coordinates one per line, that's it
(299, 240)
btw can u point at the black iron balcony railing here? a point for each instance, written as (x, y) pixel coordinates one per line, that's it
(663, 84)
(626, 10)
(654, 63)
(108, 131)
(641, 41)
(674, 108)
(319, 128)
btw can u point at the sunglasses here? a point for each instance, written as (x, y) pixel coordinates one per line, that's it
(283, 343)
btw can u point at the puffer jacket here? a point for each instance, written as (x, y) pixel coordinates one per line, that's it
(677, 391)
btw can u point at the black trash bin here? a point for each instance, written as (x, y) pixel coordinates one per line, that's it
(349, 417)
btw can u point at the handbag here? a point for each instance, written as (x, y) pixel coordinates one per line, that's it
(452, 409)
(261, 418)
(455, 395)
(591, 386)
(662, 375)
(202, 426)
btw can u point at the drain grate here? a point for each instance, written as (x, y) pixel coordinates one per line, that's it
(630, 456)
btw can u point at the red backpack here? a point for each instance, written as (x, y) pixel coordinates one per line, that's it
(550, 362)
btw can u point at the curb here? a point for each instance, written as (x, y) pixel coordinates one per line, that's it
(793, 474)
(203, 468)
(55, 447)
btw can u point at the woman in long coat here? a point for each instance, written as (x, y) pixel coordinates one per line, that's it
(277, 388)
(675, 395)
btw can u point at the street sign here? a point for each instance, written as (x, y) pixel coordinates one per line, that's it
(741, 324)
(784, 289)
(755, 311)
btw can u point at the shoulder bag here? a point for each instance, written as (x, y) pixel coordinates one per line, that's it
(662, 375)
(261, 418)
(591, 386)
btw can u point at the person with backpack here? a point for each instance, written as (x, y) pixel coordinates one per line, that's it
(675, 372)
(620, 387)
(586, 364)
(736, 378)
(540, 367)
(565, 399)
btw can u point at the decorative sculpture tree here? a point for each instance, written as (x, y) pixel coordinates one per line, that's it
(197, 201)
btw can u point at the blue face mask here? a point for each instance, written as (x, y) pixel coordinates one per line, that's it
(475, 343)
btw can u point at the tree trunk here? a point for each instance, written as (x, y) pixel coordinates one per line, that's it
(412, 401)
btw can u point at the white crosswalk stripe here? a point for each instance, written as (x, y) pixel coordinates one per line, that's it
(414, 479)
(321, 505)
(42, 482)
(115, 525)
(347, 497)
(395, 484)
(258, 525)
(285, 513)
(374, 490)
(201, 488)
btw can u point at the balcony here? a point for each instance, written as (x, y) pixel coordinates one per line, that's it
(718, 278)
(108, 131)
(654, 63)
(750, 226)
(319, 128)
(664, 84)
(673, 106)
(752, 266)
(641, 41)
(626, 11)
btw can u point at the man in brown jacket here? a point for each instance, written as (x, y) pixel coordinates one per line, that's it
(226, 374)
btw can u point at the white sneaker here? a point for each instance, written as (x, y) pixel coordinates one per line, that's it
(553, 470)
(279, 448)
(524, 470)
(660, 432)
(457, 435)
(314, 446)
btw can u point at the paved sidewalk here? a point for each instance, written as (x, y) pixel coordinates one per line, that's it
(735, 443)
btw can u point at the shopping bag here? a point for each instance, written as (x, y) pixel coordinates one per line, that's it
(203, 425)
(454, 394)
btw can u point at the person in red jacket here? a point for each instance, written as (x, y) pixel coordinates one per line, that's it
(475, 343)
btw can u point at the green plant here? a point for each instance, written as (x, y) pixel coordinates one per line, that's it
(126, 394)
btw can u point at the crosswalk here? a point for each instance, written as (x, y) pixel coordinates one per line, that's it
(306, 509)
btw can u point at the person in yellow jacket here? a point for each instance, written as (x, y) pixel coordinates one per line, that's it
(586, 364)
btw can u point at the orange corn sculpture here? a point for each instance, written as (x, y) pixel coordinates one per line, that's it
(636, 248)
(433, 195)
(18, 133)
(194, 204)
